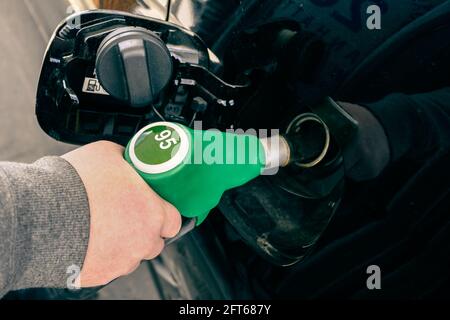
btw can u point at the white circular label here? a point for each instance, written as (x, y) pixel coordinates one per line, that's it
(159, 147)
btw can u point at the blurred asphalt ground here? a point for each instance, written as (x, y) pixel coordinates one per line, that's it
(25, 29)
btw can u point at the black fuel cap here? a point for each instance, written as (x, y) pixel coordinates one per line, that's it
(134, 65)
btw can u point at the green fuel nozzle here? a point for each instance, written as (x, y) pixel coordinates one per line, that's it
(192, 169)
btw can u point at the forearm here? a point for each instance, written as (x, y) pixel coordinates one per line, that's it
(416, 125)
(44, 223)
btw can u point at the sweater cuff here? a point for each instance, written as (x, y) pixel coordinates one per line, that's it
(398, 115)
(52, 222)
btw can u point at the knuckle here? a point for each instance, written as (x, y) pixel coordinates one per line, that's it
(172, 222)
(105, 279)
(129, 267)
(171, 210)
(132, 269)
(156, 248)
(173, 230)
(158, 219)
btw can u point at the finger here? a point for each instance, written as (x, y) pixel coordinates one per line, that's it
(172, 222)
(157, 248)
(133, 269)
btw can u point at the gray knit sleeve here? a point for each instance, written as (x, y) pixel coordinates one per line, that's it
(44, 224)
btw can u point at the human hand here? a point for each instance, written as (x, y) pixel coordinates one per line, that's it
(129, 221)
(369, 154)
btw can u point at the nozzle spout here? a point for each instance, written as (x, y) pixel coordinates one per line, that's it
(305, 144)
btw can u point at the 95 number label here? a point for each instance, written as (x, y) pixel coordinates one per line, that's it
(166, 140)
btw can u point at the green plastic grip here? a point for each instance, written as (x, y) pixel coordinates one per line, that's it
(192, 169)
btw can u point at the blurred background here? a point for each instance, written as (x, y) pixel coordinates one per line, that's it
(25, 29)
